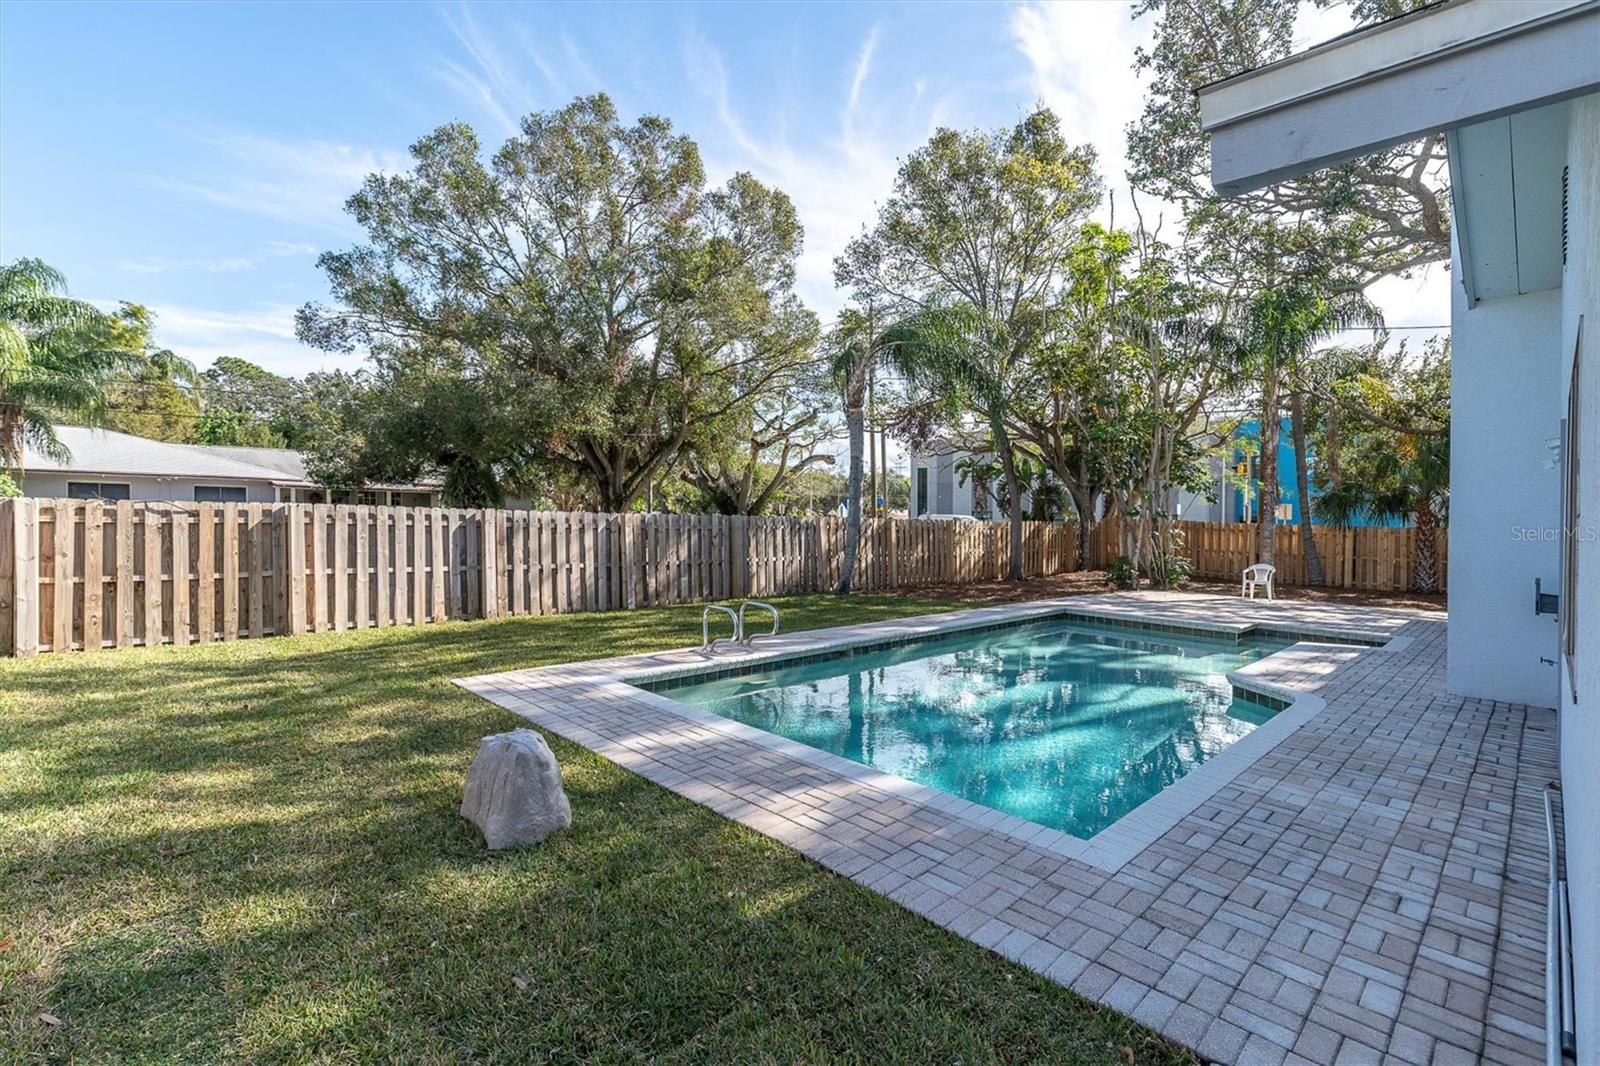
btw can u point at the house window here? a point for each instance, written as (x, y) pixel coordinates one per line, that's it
(1572, 513)
(219, 494)
(922, 490)
(98, 490)
(368, 498)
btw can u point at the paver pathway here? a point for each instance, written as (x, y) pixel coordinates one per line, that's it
(1369, 888)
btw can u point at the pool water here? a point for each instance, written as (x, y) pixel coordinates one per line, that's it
(1062, 723)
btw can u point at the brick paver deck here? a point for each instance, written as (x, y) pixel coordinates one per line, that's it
(1365, 884)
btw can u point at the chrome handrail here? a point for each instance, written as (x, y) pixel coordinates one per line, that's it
(764, 605)
(706, 641)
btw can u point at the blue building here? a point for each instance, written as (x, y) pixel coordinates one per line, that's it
(1288, 490)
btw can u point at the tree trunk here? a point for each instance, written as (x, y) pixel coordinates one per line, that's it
(854, 416)
(1083, 503)
(1268, 499)
(1333, 446)
(1425, 561)
(1008, 463)
(1302, 485)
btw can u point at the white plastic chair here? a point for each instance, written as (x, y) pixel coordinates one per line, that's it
(1259, 574)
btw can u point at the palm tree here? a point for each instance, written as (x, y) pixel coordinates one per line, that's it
(56, 360)
(1395, 461)
(958, 356)
(851, 357)
(1282, 326)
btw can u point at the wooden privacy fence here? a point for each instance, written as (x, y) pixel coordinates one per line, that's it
(78, 575)
(1371, 558)
(81, 575)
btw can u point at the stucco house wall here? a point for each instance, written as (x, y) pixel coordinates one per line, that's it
(946, 494)
(1505, 497)
(1580, 716)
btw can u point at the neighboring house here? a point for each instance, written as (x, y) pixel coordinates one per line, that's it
(1233, 484)
(1515, 87)
(1225, 498)
(1242, 484)
(106, 465)
(939, 487)
(1221, 502)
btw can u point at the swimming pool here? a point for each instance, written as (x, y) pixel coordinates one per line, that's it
(1063, 723)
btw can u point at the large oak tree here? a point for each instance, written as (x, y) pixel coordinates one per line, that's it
(586, 274)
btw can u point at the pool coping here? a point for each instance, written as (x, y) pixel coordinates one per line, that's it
(1111, 848)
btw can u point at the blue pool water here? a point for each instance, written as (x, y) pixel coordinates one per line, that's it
(1062, 723)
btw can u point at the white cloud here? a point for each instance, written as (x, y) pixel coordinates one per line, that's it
(863, 68)
(835, 182)
(490, 77)
(263, 334)
(305, 182)
(228, 265)
(1080, 60)
(209, 266)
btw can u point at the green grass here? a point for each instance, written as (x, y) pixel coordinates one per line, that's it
(252, 851)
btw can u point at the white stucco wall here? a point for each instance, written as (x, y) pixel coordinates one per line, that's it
(142, 488)
(947, 494)
(1505, 506)
(1580, 720)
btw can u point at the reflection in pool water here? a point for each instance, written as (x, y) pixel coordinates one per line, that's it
(1066, 724)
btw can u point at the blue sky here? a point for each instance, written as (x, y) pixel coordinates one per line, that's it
(195, 157)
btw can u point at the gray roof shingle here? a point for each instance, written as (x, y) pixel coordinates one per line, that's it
(104, 451)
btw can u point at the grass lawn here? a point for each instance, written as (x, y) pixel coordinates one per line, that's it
(253, 851)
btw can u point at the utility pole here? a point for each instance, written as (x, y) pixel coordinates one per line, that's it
(870, 504)
(884, 442)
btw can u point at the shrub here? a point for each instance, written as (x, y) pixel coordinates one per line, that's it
(1121, 573)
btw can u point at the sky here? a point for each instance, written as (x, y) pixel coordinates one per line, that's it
(196, 157)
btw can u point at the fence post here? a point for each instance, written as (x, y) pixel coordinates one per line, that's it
(295, 567)
(10, 529)
(739, 557)
(27, 579)
(489, 562)
(893, 549)
(631, 578)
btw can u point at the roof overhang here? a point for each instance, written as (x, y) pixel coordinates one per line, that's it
(1505, 193)
(1440, 68)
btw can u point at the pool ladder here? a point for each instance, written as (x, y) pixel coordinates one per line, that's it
(709, 643)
